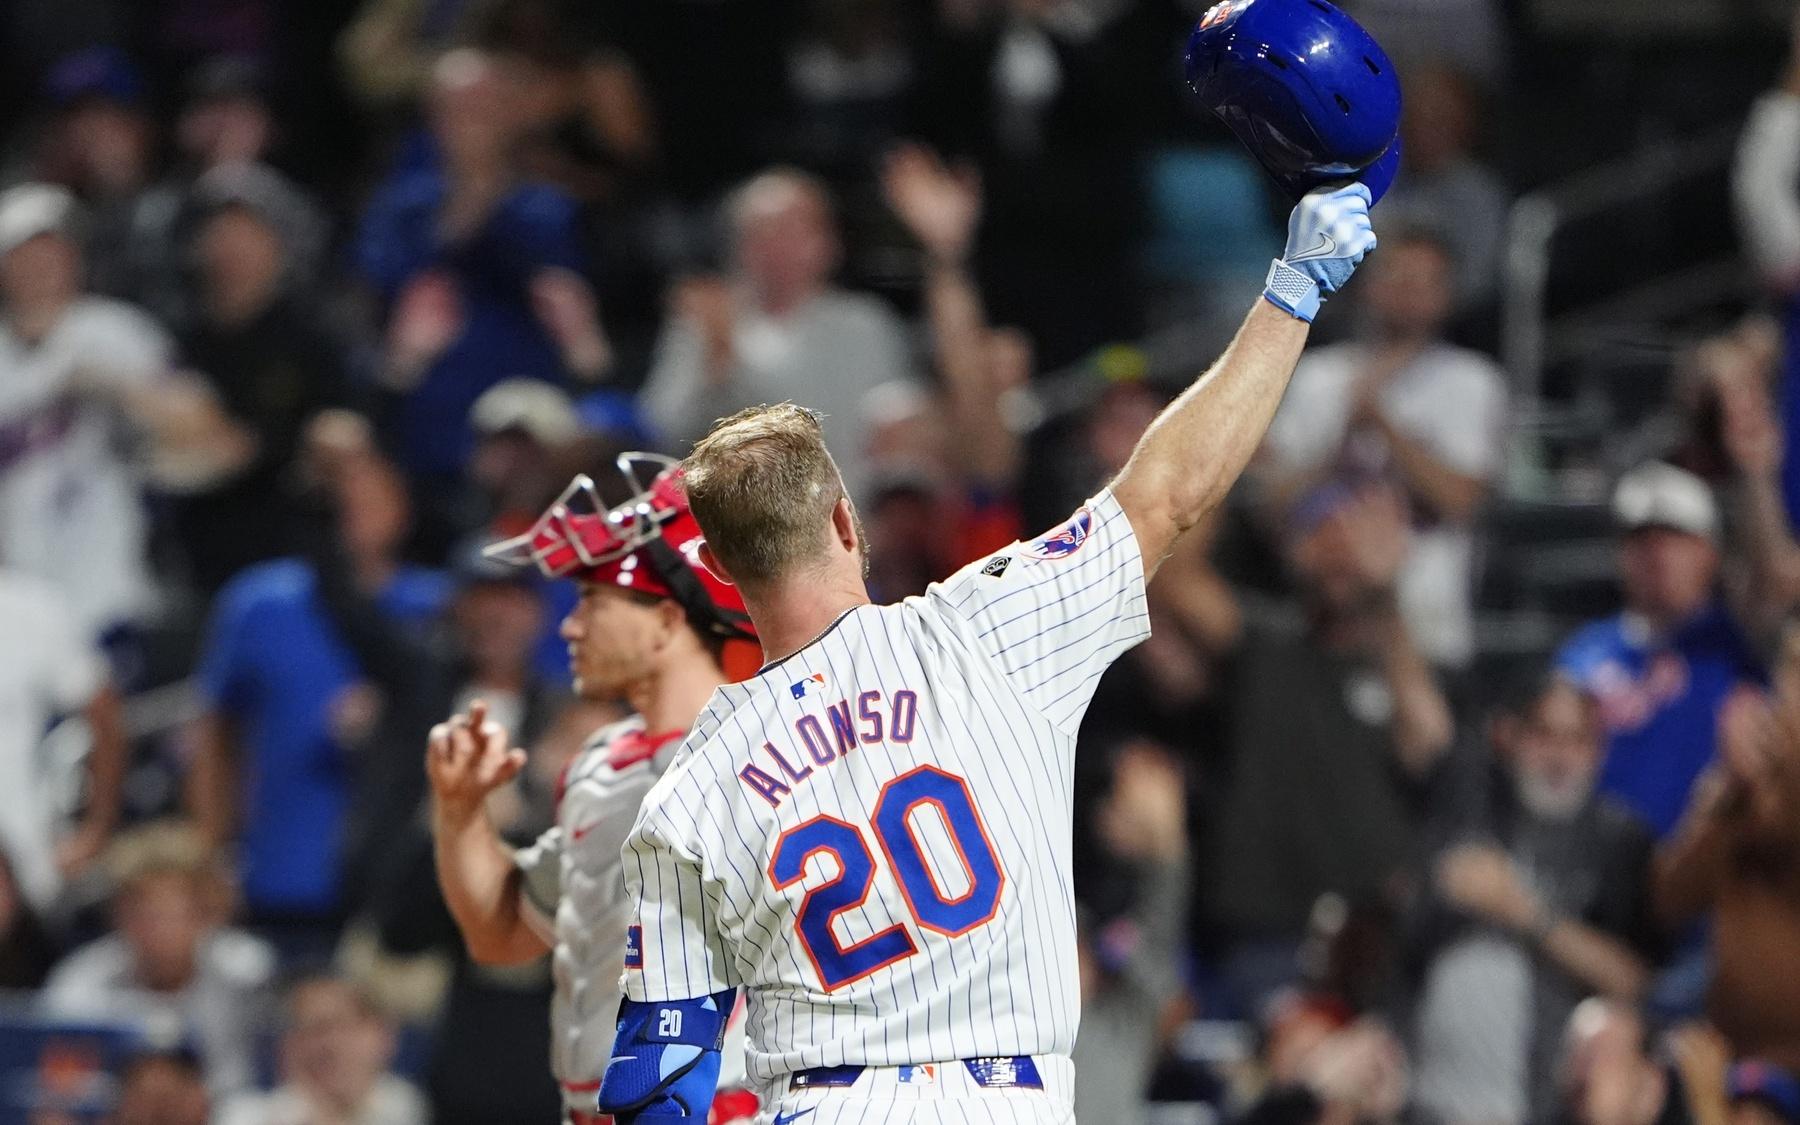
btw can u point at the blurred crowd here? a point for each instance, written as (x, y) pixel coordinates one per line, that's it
(301, 305)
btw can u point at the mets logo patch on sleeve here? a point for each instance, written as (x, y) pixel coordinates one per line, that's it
(1061, 542)
(634, 947)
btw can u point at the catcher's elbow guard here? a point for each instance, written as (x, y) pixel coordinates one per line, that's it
(665, 1060)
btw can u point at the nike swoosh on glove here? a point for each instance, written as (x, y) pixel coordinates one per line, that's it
(1329, 234)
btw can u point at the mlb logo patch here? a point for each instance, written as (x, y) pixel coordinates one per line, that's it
(634, 947)
(1061, 542)
(918, 1075)
(816, 680)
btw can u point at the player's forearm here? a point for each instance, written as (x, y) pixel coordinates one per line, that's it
(1193, 453)
(481, 886)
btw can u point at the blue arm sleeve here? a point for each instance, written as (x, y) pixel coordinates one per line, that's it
(665, 1060)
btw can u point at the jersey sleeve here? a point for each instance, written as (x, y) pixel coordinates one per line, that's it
(1057, 610)
(672, 946)
(540, 889)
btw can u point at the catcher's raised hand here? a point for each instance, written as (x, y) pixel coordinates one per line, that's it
(467, 758)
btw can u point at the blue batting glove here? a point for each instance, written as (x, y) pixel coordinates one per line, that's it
(1328, 235)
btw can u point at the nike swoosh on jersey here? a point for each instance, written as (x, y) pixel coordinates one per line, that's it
(785, 1118)
(578, 833)
(1326, 245)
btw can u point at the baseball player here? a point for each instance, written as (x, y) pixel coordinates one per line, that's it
(649, 629)
(872, 835)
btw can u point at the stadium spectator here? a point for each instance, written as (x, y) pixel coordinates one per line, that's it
(1323, 1066)
(1766, 190)
(1130, 962)
(163, 1087)
(479, 271)
(73, 367)
(1664, 666)
(284, 701)
(524, 432)
(1737, 855)
(601, 141)
(1399, 403)
(1027, 94)
(776, 330)
(495, 619)
(1539, 897)
(1334, 733)
(335, 1051)
(169, 969)
(100, 143)
(50, 669)
(226, 120)
(225, 125)
(1442, 183)
(263, 344)
(849, 66)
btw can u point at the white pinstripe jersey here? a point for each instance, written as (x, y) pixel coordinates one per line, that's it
(873, 834)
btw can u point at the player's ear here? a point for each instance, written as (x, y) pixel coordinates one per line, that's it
(844, 527)
(713, 566)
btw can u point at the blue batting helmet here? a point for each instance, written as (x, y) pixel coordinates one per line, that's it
(1305, 88)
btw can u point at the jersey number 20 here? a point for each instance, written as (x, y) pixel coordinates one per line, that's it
(931, 907)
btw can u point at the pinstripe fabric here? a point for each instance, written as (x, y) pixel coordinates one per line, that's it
(985, 678)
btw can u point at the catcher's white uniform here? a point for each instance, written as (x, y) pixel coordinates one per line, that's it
(574, 897)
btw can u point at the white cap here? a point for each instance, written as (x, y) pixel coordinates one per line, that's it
(1657, 494)
(536, 407)
(29, 210)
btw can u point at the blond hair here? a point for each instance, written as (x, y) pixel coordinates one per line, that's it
(164, 847)
(762, 486)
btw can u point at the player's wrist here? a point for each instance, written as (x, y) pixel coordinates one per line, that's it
(1292, 291)
(458, 814)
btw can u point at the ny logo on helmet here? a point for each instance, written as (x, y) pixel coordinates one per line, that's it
(1219, 13)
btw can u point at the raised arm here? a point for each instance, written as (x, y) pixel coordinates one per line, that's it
(1187, 461)
(468, 758)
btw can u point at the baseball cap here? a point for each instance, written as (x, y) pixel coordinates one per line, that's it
(96, 72)
(1657, 494)
(535, 407)
(1768, 1084)
(29, 210)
